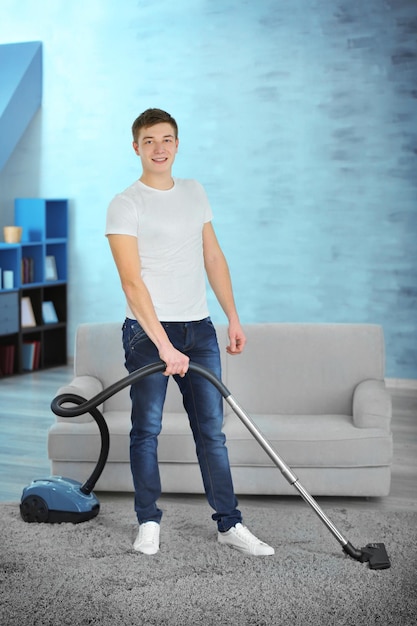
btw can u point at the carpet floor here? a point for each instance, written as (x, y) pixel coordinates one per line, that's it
(88, 574)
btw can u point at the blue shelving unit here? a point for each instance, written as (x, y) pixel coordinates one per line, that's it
(39, 266)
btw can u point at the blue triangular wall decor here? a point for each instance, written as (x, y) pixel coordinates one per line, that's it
(20, 92)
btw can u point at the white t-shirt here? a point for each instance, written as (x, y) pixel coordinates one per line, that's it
(168, 226)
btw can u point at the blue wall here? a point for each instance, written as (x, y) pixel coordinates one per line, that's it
(299, 117)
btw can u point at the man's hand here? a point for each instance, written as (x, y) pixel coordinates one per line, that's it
(176, 361)
(237, 339)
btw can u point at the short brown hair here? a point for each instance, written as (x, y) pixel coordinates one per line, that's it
(150, 117)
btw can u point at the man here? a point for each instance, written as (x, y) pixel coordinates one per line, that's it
(162, 240)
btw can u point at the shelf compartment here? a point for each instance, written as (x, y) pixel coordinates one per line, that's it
(56, 219)
(10, 255)
(54, 346)
(29, 213)
(57, 294)
(59, 252)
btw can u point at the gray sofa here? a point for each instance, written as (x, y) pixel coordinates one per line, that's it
(316, 392)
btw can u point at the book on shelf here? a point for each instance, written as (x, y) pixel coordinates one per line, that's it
(28, 270)
(27, 315)
(31, 355)
(7, 353)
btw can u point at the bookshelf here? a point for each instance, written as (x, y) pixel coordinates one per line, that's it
(33, 288)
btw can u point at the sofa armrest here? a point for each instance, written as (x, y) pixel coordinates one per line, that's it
(372, 405)
(85, 386)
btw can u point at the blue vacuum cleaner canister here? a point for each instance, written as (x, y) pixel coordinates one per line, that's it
(56, 499)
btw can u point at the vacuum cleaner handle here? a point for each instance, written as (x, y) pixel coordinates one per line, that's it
(375, 553)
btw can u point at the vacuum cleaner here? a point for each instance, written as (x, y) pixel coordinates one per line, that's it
(58, 499)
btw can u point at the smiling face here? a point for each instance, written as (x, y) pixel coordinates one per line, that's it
(156, 146)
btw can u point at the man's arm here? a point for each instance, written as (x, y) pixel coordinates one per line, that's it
(219, 278)
(126, 256)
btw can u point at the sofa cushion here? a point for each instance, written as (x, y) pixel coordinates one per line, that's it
(328, 441)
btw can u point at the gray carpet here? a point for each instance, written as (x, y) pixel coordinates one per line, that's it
(88, 574)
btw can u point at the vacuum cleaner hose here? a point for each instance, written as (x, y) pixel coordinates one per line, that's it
(374, 553)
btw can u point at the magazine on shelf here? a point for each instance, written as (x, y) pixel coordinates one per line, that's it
(51, 272)
(48, 313)
(28, 317)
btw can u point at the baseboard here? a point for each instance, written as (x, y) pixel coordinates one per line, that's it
(401, 383)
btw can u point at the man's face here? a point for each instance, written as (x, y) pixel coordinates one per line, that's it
(156, 146)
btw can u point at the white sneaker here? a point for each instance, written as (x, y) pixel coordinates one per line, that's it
(241, 538)
(147, 540)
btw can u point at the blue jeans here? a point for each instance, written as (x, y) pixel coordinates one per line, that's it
(204, 406)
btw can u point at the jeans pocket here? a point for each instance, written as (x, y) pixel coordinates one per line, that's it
(133, 335)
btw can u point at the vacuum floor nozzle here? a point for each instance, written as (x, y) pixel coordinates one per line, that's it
(376, 555)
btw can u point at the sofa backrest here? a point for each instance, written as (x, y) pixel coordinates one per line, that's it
(285, 368)
(304, 368)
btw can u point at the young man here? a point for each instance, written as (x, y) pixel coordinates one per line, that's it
(163, 242)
